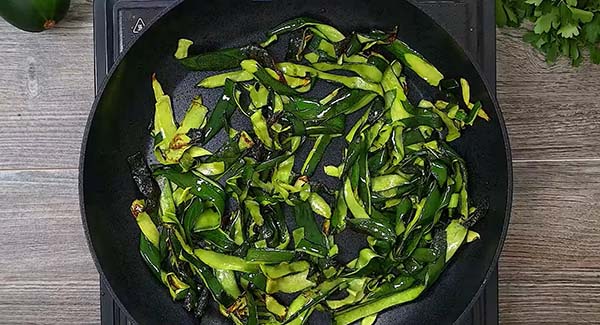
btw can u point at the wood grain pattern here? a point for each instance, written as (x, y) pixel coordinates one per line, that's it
(46, 92)
(46, 272)
(549, 270)
(550, 111)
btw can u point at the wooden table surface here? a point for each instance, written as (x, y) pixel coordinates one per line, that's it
(550, 267)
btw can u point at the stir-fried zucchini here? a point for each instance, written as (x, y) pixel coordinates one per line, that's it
(247, 222)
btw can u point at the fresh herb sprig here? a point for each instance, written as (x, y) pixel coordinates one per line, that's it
(568, 28)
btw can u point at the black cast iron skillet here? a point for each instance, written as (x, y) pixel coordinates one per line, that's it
(118, 127)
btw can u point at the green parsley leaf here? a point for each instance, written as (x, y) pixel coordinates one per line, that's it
(595, 54)
(583, 16)
(511, 15)
(551, 52)
(568, 31)
(564, 14)
(532, 38)
(568, 28)
(544, 23)
(501, 17)
(592, 30)
(574, 51)
(565, 47)
(534, 2)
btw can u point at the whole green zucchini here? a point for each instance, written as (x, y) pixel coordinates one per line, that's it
(34, 15)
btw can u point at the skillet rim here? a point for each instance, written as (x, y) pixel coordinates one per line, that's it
(469, 56)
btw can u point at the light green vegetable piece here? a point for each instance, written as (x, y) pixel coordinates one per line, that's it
(319, 205)
(289, 284)
(455, 236)
(259, 125)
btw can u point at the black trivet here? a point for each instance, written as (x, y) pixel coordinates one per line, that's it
(117, 23)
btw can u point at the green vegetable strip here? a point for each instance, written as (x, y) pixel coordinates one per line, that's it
(207, 220)
(177, 288)
(148, 228)
(261, 74)
(278, 218)
(259, 125)
(321, 45)
(269, 255)
(372, 307)
(334, 126)
(473, 113)
(338, 218)
(191, 216)
(257, 279)
(319, 205)
(183, 46)
(164, 124)
(453, 132)
(194, 117)
(386, 182)
(394, 95)
(379, 61)
(211, 168)
(283, 269)
(237, 232)
(415, 62)
(301, 317)
(364, 177)
(252, 309)
(315, 155)
(356, 292)
(219, 80)
(151, 255)
(166, 202)
(218, 239)
(227, 279)
(318, 295)
(373, 228)
(254, 209)
(311, 248)
(305, 219)
(327, 31)
(298, 70)
(366, 71)
(348, 104)
(211, 282)
(369, 320)
(356, 207)
(290, 283)
(472, 236)
(282, 172)
(275, 307)
(259, 95)
(223, 111)
(466, 96)
(455, 235)
(200, 186)
(352, 133)
(225, 262)
(304, 109)
(331, 96)
(215, 61)
(439, 171)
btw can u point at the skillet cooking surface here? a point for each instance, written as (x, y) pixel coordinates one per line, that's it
(118, 127)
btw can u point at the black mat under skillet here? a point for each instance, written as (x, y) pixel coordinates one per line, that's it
(118, 22)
